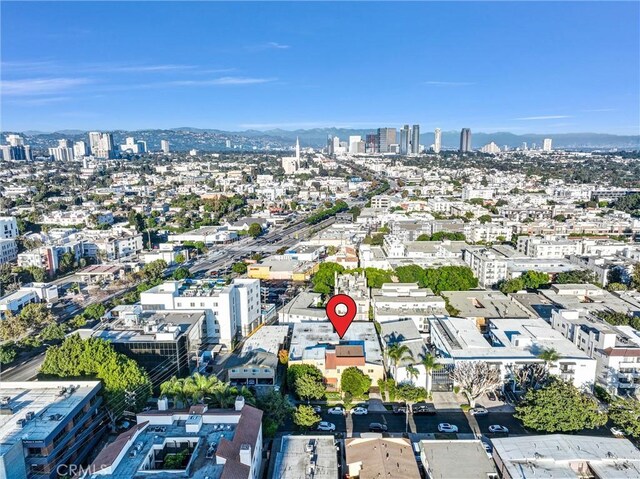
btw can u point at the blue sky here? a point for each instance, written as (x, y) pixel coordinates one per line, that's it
(521, 67)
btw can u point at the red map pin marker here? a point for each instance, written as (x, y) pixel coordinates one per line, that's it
(341, 322)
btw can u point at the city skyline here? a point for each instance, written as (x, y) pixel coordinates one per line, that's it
(231, 75)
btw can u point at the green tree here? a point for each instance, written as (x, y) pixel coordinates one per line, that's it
(36, 315)
(239, 267)
(176, 460)
(410, 393)
(324, 279)
(96, 358)
(377, 277)
(354, 382)
(308, 387)
(578, 277)
(180, 258)
(295, 371)
(37, 274)
(512, 285)
(411, 274)
(550, 356)
(51, 332)
(559, 407)
(625, 413)
(255, 230)
(305, 417)
(448, 235)
(154, 271)
(78, 321)
(94, 311)
(181, 273)
(7, 353)
(276, 411)
(398, 354)
(66, 262)
(136, 220)
(484, 219)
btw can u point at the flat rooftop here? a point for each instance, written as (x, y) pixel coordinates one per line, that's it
(298, 453)
(267, 339)
(485, 304)
(552, 456)
(311, 339)
(462, 459)
(50, 402)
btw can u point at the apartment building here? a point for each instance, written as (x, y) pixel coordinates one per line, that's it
(47, 426)
(486, 265)
(397, 301)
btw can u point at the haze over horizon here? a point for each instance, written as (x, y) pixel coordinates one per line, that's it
(527, 68)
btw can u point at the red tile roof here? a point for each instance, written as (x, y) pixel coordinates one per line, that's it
(247, 432)
(109, 454)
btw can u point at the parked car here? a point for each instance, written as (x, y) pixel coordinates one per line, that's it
(488, 449)
(617, 432)
(399, 409)
(377, 427)
(423, 408)
(495, 428)
(446, 427)
(359, 411)
(317, 409)
(501, 395)
(336, 410)
(326, 426)
(478, 411)
(492, 396)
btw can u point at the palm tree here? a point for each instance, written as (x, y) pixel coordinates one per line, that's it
(175, 389)
(412, 372)
(198, 386)
(430, 363)
(549, 356)
(398, 353)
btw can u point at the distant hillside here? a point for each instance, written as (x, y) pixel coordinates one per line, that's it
(186, 138)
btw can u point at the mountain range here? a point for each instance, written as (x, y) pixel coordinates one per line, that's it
(186, 138)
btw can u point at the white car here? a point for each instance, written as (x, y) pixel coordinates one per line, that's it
(359, 411)
(479, 411)
(617, 432)
(497, 428)
(336, 410)
(446, 427)
(326, 426)
(317, 409)
(488, 449)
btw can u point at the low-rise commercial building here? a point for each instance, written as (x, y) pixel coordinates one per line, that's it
(462, 459)
(305, 456)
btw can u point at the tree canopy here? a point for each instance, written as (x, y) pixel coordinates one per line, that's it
(309, 378)
(377, 277)
(305, 417)
(559, 407)
(255, 230)
(96, 358)
(625, 413)
(324, 280)
(354, 382)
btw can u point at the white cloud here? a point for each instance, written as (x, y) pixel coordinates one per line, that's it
(220, 81)
(40, 86)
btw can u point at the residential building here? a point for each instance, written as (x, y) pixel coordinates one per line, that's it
(16, 150)
(317, 343)
(375, 457)
(488, 267)
(561, 456)
(234, 309)
(437, 144)
(405, 333)
(217, 443)
(355, 286)
(63, 152)
(47, 427)
(546, 144)
(8, 227)
(305, 456)
(465, 140)
(537, 247)
(80, 149)
(131, 145)
(101, 145)
(490, 148)
(256, 364)
(8, 251)
(507, 344)
(396, 301)
(461, 458)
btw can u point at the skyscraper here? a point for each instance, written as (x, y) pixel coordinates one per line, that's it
(16, 150)
(437, 143)
(164, 146)
(64, 151)
(546, 144)
(371, 143)
(415, 139)
(465, 140)
(386, 138)
(101, 144)
(405, 140)
(80, 149)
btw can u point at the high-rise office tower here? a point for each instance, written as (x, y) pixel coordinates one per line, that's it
(415, 139)
(164, 145)
(546, 144)
(354, 142)
(371, 143)
(437, 143)
(405, 140)
(386, 138)
(465, 140)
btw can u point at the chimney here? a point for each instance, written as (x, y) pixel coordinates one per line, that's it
(163, 403)
(239, 403)
(245, 454)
